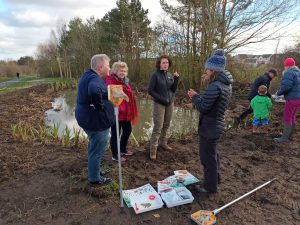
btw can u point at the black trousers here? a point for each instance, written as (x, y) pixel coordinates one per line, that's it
(246, 113)
(210, 160)
(125, 129)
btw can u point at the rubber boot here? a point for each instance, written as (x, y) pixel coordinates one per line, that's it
(165, 147)
(287, 131)
(254, 129)
(265, 129)
(293, 131)
(153, 155)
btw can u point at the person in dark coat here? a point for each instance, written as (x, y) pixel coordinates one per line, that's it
(95, 114)
(162, 88)
(264, 79)
(212, 106)
(290, 88)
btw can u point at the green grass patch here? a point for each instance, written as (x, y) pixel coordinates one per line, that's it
(26, 82)
(3, 79)
(109, 190)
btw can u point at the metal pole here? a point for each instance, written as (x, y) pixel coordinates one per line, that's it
(116, 108)
(216, 211)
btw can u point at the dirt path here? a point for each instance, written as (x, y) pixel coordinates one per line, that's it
(46, 184)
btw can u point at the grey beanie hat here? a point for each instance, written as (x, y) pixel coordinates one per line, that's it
(217, 61)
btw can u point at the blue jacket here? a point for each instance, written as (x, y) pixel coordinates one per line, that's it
(212, 106)
(93, 110)
(290, 84)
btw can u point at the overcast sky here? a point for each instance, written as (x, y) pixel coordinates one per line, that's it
(26, 23)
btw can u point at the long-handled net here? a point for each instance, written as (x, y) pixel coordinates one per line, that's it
(205, 217)
(116, 96)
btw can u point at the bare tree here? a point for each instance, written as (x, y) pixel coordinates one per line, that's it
(46, 55)
(228, 24)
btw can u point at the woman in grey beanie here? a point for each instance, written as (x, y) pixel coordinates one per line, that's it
(212, 106)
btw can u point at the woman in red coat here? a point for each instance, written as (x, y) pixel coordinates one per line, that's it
(128, 112)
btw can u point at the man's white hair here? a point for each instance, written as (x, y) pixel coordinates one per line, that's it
(98, 59)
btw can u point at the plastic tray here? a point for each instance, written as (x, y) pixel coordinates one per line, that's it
(181, 200)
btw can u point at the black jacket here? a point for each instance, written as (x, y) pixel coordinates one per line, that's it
(261, 80)
(213, 104)
(162, 87)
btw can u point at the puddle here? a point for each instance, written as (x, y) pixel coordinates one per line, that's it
(63, 113)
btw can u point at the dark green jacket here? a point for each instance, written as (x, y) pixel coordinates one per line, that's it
(162, 87)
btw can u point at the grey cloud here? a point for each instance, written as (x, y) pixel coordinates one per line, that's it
(70, 4)
(36, 13)
(15, 19)
(22, 42)
(26, 23)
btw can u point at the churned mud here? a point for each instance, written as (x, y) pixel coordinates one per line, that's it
(46, 184)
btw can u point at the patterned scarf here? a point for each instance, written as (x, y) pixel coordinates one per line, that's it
(132, 111)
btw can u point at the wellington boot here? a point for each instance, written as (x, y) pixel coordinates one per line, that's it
(165, 147)
(287, 131)
(254, 129)
(153, 155)
(292, 132)
(265, 129)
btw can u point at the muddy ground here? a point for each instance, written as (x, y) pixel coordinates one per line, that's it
(46, 184)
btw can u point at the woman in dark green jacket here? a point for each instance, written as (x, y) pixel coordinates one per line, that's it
(162, 88)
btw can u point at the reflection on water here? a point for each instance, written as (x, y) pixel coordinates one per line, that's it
(63, 112)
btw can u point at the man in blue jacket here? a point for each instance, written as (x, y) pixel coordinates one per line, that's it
(95, 114)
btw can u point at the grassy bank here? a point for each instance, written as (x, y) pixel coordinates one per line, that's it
(3, 79)
(25, 82)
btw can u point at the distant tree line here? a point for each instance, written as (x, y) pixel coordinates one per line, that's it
(123, 34)
(24, 65)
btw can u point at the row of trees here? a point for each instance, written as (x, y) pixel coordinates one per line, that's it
(24, 65)
(122, 34)
(189, 32)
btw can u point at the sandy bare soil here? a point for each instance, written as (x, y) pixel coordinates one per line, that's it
(46, 184)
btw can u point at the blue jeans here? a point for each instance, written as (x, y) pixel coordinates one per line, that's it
(97, 145)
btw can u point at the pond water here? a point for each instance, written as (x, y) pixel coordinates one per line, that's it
(63, 113)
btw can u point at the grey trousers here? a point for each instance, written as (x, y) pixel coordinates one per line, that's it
(162, 116)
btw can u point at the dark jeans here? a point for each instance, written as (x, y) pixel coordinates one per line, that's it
(125, 127)
(210, 161)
